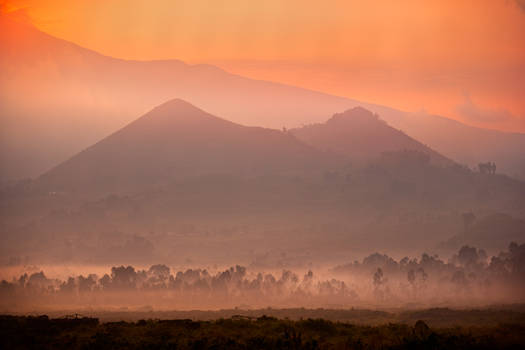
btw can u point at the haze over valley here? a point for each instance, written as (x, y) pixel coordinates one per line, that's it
(148, 189)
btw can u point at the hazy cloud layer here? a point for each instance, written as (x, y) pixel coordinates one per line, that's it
(521, 4)
(475, 113)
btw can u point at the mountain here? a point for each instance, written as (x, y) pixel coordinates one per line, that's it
(178, 141)
(179, 183)
(361, 135)
(57, 98)
(463, 143)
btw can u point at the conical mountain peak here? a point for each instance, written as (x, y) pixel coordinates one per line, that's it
(356, 114)
(175, 141)
(177, 111)
(175, 105)
(359, 133)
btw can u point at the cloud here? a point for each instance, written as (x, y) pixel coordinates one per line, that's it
(521, 4)
(475, 113)
(6, 7)
(19, 14)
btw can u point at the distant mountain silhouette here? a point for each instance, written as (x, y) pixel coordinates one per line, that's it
(362, 135)
(57, 98)
(177, 141)
(178, 169)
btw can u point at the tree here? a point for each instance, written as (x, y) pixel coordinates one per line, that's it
(378, 277)
(468, 256)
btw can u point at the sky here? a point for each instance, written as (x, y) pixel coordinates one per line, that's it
(464, 59)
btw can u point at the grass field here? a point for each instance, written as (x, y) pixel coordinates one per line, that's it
(291, 329)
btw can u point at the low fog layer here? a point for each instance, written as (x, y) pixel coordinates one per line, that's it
(469, 278)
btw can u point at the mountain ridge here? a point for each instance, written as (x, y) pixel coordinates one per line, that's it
(177, 140)
(85, 99)
(359, 133)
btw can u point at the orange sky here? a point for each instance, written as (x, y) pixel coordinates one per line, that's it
(463, 59)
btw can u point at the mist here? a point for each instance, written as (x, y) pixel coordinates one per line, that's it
(468, 279)
(138, 191)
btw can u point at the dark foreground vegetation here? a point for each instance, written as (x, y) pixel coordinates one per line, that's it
(241, 332)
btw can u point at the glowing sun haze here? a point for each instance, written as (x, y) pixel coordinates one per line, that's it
(462, 59)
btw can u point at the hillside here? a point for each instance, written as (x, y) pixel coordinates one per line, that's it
(177, 141)
(361, 135)
(181, 180)
(491, 233)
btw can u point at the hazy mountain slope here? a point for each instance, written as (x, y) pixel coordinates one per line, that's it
(463, 143)
(57, 98)
(362, 135)
(491, 233)
(177, 141)
(181, 180)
